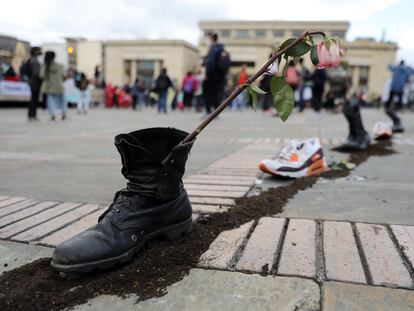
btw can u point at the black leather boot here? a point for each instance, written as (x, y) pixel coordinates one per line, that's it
(154, 204)
(358, 138)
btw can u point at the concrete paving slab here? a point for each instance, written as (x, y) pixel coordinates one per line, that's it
(377, 191)
(352, 297)
(342, 260)
(385, 264)
(298, 253)
(405, 239)
(207, 290)
(13, 255)
(223, 249)
(260, 251)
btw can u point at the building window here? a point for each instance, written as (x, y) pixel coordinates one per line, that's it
(207, 32)
(297, 33)
(260, 33)
(339, 34)
(278, 33)
(363, 75)
(242, 34)
(225, 33)
(146, 72)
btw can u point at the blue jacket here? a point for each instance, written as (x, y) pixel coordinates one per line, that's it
(400, 76)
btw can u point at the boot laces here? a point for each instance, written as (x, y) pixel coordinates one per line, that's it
(122, 199)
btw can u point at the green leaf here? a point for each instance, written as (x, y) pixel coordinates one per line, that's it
(314, 55)
(284, 101)
(253, 95)
(301, 48)
(257, 89)
(276, 85)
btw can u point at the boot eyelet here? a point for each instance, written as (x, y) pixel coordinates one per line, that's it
(134, 238)
(172, 161)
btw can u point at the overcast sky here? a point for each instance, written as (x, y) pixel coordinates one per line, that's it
(39, 21)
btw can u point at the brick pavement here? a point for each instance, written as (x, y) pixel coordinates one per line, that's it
(351, 252)
(373, 254)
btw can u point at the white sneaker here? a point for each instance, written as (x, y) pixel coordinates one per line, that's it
(297, 159)
(382, 130)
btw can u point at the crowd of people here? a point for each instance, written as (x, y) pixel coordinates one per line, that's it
(203, 90)
(51, 86)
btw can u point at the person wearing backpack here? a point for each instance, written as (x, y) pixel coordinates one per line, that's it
(31, 73)
(189, 86)
(217, 63)
(162, 83)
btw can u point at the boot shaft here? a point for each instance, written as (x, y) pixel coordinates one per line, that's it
(142, 153)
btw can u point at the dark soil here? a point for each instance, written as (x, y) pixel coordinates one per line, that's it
(35, 286)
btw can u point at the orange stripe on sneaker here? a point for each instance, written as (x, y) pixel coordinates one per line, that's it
(293, 157)
(316, 168)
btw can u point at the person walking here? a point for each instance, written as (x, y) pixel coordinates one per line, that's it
(137, 92)
(239, 101)
(189, 87)
(162, 83)
(318, 79)
(52, 85)
(217, 63)
(31, 72)
(400, 76)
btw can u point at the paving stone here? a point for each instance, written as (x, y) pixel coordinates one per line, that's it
(213, 201)
(224, 247)
(215, 193)
(231, 173)
(55, 223)
(71, 230)
(383, 259)
(208, 208)
(221, 177)
(262, 245)
(342, 260)
(217, 187)
(355, 297)
(34, 209)
(13, 255)
(24, 224)
(405, 238)
(218, 182)
(222, 290)
(16, 207)
(11, 201)
(298, 254)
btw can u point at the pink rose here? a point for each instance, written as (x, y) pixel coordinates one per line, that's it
(329, 57)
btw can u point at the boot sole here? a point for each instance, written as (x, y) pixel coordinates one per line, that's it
(173, 232)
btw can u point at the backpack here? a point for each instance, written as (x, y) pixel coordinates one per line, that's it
(162, 83)
(224, 62)
(188, 85)
(292, 76)
(26, 70)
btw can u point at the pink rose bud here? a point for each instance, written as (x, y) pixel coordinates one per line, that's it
(329, 57)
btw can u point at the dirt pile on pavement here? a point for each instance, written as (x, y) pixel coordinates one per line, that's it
(35, 286)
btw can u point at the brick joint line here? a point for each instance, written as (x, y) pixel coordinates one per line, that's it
(402, 255)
